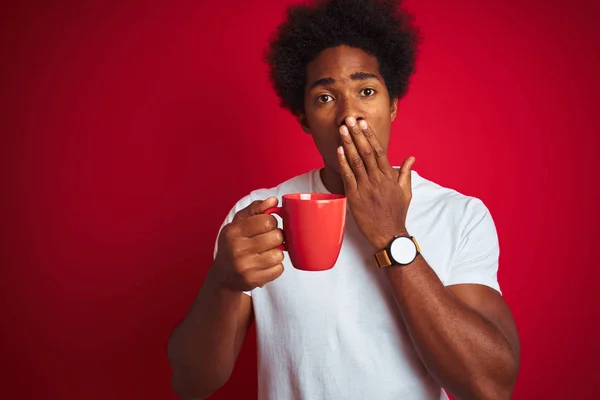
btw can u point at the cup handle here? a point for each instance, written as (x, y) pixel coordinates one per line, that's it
(277, 210)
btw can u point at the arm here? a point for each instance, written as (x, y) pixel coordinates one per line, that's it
(464, 334)
(203, 348)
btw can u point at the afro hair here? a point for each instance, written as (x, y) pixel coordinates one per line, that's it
(381, 28)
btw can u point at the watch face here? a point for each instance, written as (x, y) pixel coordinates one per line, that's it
(403, 250)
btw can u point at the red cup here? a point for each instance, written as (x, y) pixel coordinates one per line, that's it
(313, 229)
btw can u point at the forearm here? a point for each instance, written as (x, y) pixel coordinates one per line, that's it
(201, 348)
(463, 351)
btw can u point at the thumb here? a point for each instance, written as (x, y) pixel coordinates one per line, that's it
(404, 177)
(255, 208)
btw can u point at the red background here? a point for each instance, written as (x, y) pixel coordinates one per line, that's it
(130, 129)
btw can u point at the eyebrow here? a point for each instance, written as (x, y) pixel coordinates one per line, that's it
(357, 76)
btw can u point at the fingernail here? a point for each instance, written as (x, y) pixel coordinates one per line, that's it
(363, 124)
(344, 130)
(351, 121)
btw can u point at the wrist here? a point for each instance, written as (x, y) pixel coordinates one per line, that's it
(382, 242)
(217, 278)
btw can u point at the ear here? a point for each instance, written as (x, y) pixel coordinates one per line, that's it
(394, 109)
(303, 122)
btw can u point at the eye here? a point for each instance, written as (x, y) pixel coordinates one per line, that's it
(324, 98)
(367, 92)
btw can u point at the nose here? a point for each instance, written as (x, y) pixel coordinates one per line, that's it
(348, 107)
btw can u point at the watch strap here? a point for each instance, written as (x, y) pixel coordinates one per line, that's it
(382, 259)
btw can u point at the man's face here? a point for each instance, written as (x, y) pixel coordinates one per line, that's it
(342, 82)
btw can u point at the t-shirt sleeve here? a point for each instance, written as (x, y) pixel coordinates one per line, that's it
(476, 257)
(243, 203)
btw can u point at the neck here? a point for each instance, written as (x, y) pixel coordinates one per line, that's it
(332, 180)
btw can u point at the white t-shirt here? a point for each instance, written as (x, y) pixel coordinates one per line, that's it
(338, 334)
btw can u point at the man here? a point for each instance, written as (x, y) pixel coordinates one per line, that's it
(363, 330)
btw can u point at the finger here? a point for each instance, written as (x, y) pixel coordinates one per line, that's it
(257, 225)
(352, 156)
(264, 276)
(266, 241)
(379, 153)
(364, 148)
(345, 170)
(269, 258)
(255, 208)
(404, 177)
